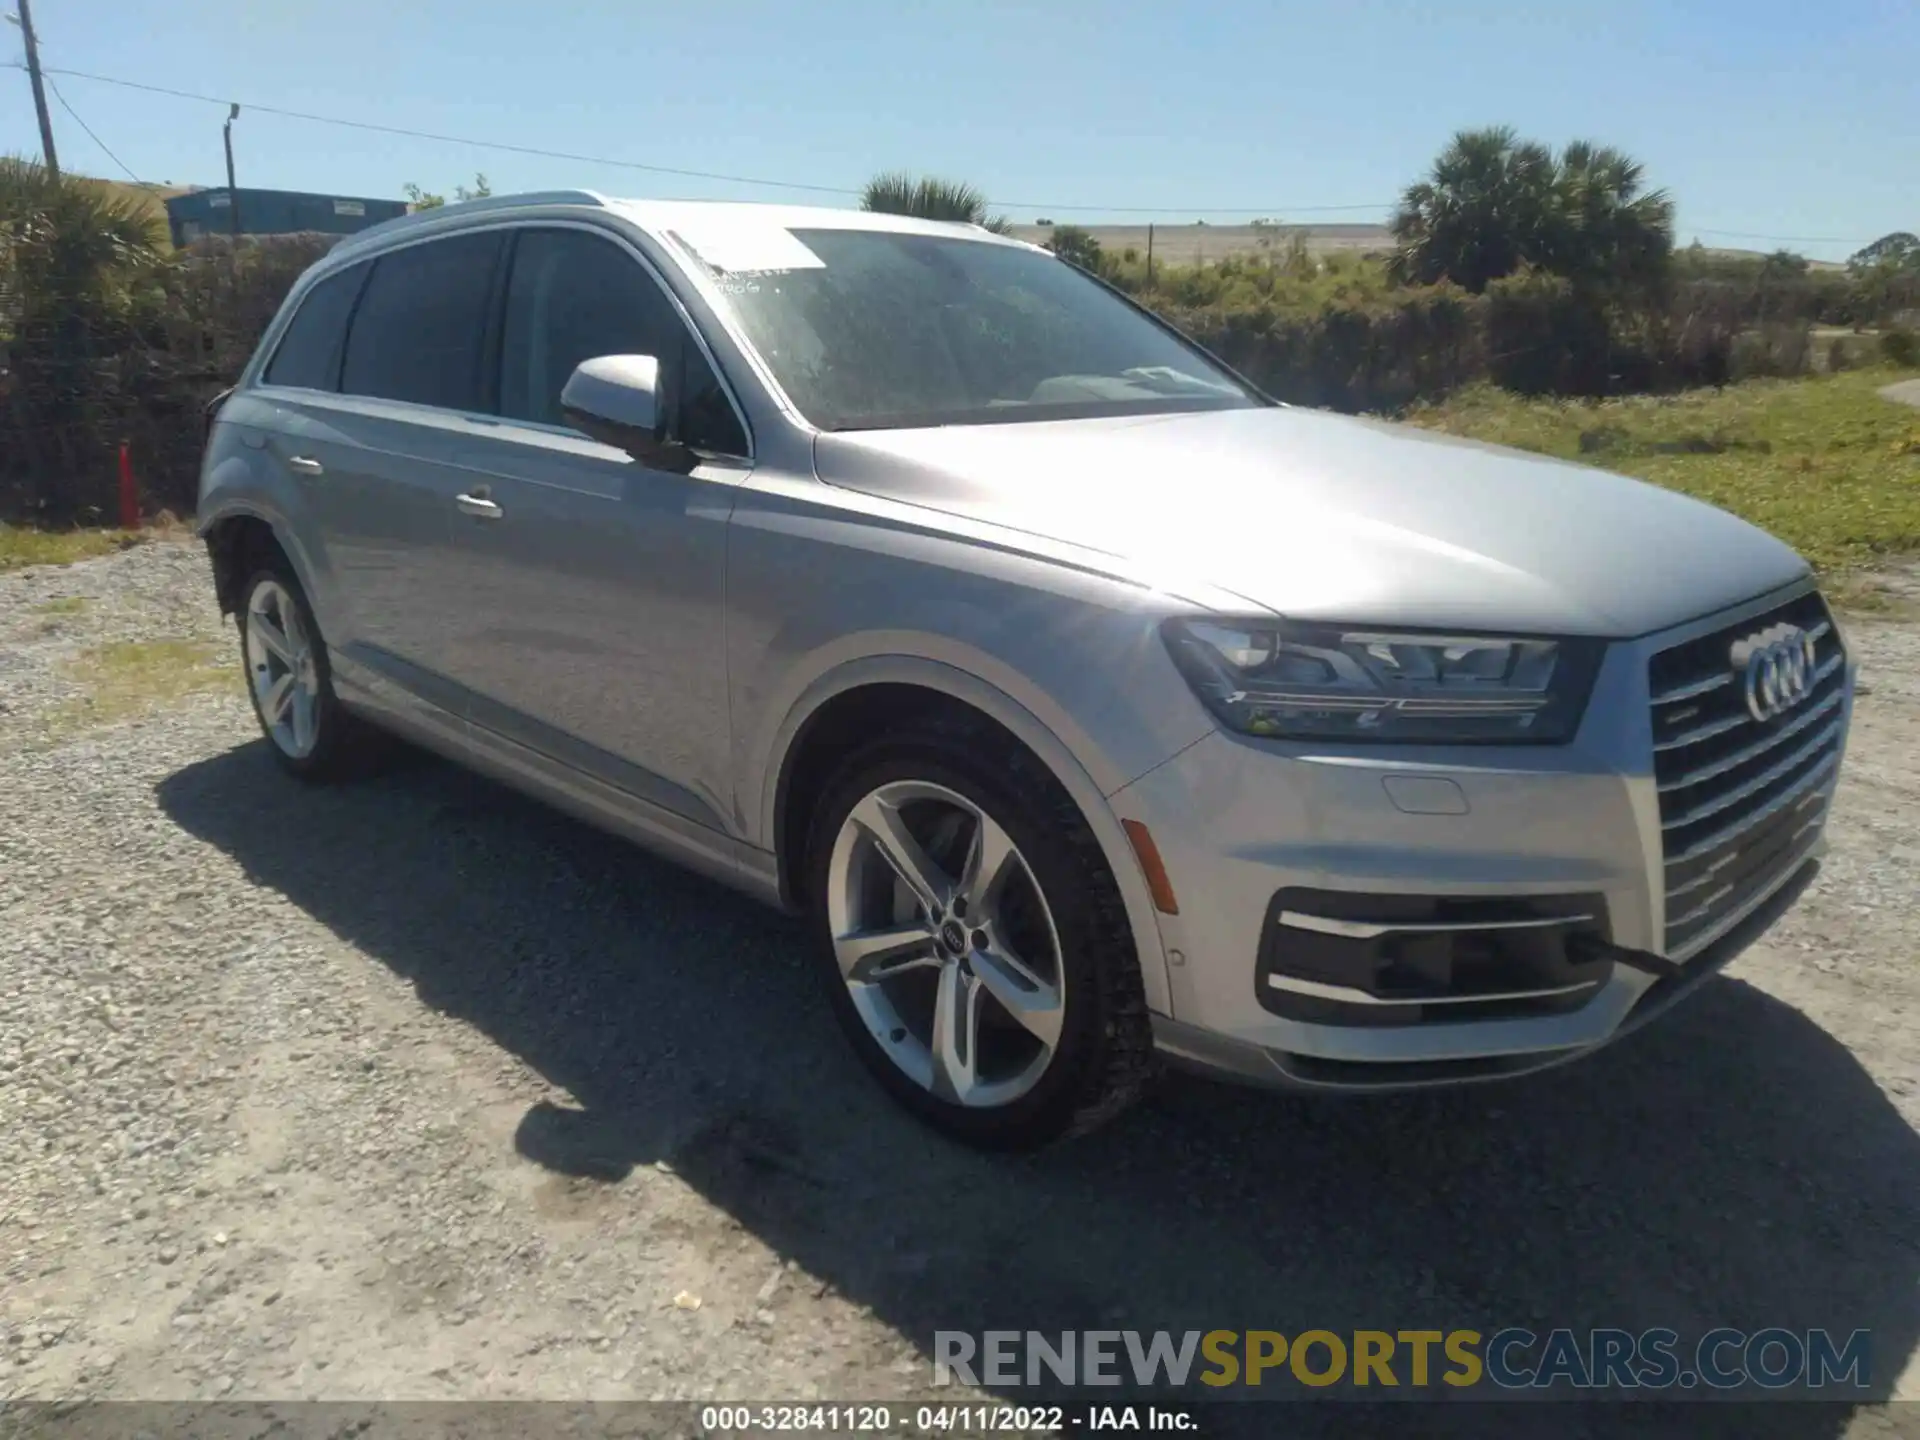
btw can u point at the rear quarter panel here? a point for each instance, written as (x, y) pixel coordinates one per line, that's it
(239, 476)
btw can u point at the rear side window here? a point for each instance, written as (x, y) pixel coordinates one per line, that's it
(573, 296)
(309, 353)
(418, 332)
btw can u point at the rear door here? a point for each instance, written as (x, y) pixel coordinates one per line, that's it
(390, 457)
(291, 415)
(591, 622)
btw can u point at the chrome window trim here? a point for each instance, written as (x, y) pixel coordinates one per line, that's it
(695, 273)
(322, 270)
(278, 333)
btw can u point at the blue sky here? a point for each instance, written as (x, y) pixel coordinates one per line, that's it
(1762, 117)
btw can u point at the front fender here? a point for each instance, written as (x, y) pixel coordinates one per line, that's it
(1037, 731)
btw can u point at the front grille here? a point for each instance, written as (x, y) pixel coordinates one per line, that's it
(1741, 799)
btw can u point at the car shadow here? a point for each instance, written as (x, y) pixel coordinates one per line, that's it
(1732, 1165)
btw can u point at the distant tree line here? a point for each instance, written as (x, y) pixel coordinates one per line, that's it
(1549, 272)
(421, 199)
(1545, 271)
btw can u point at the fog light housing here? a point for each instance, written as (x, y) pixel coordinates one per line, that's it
(1342, 958)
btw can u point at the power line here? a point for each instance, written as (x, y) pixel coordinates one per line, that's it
(23, 22)
(1198, 209)
(90, 135)
(456, 139)
(1789, 239)
(693, 174)
(841, 190)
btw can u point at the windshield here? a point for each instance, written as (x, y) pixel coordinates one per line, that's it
(868, 330)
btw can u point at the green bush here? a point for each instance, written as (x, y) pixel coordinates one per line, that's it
(1349, 341)
(221, 294)
(107, 338)
(1077, 247)
(1376, 355)
(78, 275)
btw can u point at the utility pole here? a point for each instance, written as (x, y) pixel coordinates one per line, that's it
(233, 195)
(39, 89)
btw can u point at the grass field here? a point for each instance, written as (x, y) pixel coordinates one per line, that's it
(20, 546)
(131, 677)
(1824, 463)
(1202, 244)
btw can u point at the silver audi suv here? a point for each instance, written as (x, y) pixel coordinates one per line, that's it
(1090, 705)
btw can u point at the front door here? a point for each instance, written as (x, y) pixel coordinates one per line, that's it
(591, 627)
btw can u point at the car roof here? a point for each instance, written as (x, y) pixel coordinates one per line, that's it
(708, 217)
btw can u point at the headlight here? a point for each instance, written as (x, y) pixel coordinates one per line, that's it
(1342, 682)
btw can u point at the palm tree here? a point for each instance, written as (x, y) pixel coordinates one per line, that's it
(930, 198)
(1481, 213)
(1493, 204)
(68, 243)
(1607, 230)
(79, 264)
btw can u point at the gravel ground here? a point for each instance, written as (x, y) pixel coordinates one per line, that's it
(415, 1090)
(53, 617)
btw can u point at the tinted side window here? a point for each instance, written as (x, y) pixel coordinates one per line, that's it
(574, 296)
(309, 353)
(417, 335)
(707, 418)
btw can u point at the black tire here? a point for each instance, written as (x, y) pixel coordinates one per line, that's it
(344, 745)
(1105, 1059)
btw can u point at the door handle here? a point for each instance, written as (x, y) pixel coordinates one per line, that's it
(478, 505)
(305, 465)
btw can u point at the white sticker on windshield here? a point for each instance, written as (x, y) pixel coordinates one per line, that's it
(741, 249)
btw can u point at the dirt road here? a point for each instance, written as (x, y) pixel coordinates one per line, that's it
(1906, 392)
(416, 1090)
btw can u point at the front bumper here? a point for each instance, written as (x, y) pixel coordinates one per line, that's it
(1239, 822)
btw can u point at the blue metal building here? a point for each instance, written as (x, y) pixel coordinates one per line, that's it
(273, 212)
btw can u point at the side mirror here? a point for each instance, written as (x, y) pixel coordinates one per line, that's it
(616, 399)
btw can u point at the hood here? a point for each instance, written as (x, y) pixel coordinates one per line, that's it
(1321, 516)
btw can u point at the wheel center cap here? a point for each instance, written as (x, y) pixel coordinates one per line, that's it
(953, 938)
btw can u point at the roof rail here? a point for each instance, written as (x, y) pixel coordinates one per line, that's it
(474, 207)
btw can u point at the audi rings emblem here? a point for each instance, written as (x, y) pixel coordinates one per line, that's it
(1775, 669)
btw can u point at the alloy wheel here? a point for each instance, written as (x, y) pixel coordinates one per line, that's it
(283, 670)
(946, 944)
